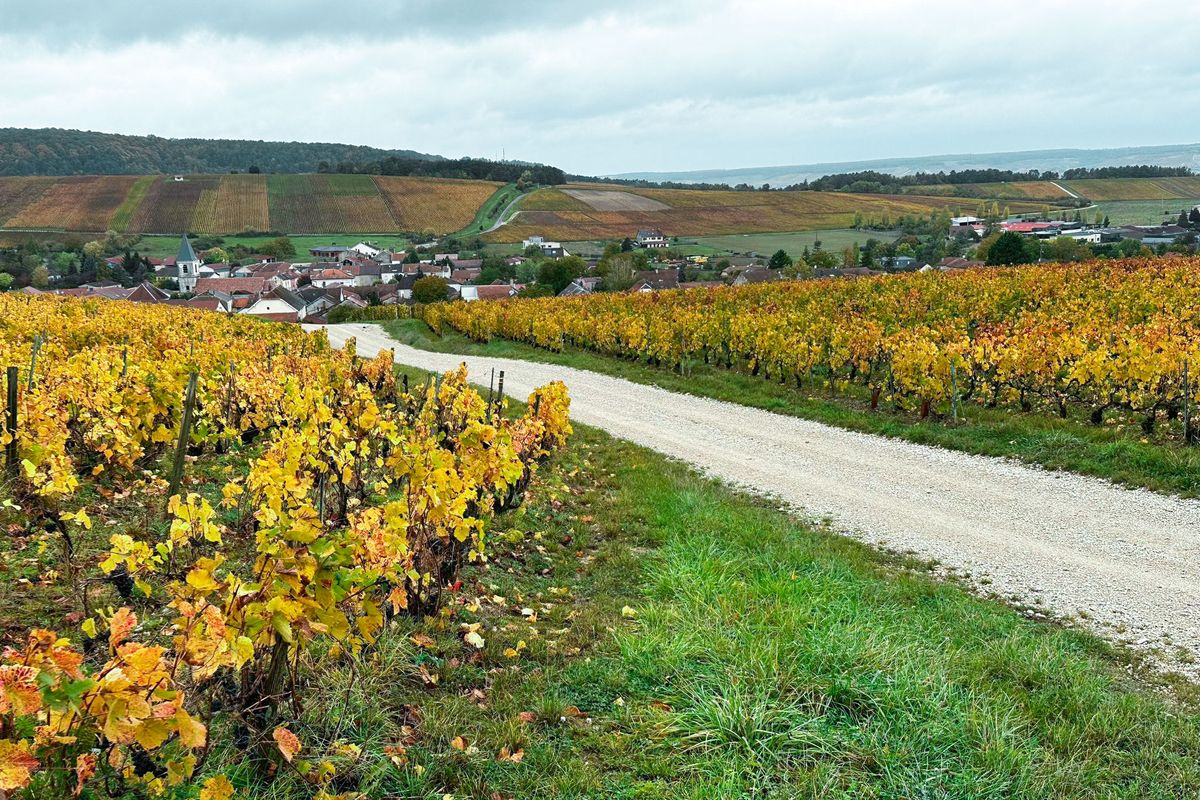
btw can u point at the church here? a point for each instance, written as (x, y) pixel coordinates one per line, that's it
(187, 266)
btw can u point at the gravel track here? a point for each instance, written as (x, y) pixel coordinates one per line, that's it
(1057, 542)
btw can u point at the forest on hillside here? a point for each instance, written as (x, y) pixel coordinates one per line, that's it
(55, 151)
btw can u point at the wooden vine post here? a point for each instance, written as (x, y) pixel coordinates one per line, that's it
(10, 422)
(185, 431)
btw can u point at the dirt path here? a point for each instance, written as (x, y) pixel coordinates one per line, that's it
(1129, 560)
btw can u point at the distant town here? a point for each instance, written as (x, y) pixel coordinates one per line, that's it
(336, 283)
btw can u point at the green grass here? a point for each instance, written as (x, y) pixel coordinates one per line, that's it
(489, 212)
(1144, 212)
(1118, 453)
(761, 658)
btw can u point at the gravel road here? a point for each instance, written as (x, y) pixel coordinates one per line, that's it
(1124, 563)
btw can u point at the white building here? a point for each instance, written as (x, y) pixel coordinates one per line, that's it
(651, 238)
(187, 266)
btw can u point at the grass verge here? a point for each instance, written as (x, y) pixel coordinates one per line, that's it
(1118, 453)
(652, 634)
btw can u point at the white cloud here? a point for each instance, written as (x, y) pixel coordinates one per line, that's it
(619, 86)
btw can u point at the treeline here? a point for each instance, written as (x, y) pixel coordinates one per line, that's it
(55, 151)
(469, 168)
(872, 182)
(1142, 171)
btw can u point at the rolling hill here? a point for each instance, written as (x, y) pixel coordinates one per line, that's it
(56, 151)
(588, 211)
(229, 204)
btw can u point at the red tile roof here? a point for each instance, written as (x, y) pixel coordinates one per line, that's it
(231, 285)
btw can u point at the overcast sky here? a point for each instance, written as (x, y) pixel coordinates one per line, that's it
(608, 86)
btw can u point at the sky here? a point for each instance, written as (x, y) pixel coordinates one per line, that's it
(611, 86)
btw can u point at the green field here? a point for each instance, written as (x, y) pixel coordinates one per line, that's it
(1145, 212)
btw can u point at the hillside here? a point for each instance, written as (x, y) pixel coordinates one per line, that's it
(228, 204)
(582, 212)
(1183, 155)
(56, 151)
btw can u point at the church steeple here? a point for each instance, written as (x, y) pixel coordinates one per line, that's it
(187, 266)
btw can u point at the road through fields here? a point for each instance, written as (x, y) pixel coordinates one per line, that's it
(1128, 560)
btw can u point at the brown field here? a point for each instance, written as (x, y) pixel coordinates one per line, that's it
(430, 204)
(558, 215)
(607, 200)
(17, 193)
(85, 203)
(238, 203)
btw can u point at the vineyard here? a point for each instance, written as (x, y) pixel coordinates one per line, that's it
(218, 508)
(238, 203)
(85, 203)
(1105, 341)
(231, 204)
(438, 206)
(559, 214)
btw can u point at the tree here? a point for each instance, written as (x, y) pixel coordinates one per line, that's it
(533, 251)
(1009, 248)
(1064, 249)
(626, 245)
(536, 290)
(6, 281)
(280, 247)
(780, 260)
(616, 273)
(218, 255)
(40, 278)
(429, 290)
(411, 257)
(558, 274)
(254, 170)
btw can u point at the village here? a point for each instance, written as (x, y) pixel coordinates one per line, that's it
(336, 283)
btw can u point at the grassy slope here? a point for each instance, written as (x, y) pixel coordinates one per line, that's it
(1121, 455)
(761, 658)
(488, 213)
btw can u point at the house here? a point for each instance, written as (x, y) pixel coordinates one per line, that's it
(760, 275)
(899, 263)
(964, 222)
(326, 278)
(655, 280)
(584, 285)
(959, 263)
(279, 304)
(464, 275)
(651, 238)
(496, 291)
(365, 249)
(231, 286)
(147, 293)
(549, 249)
(333, 252)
